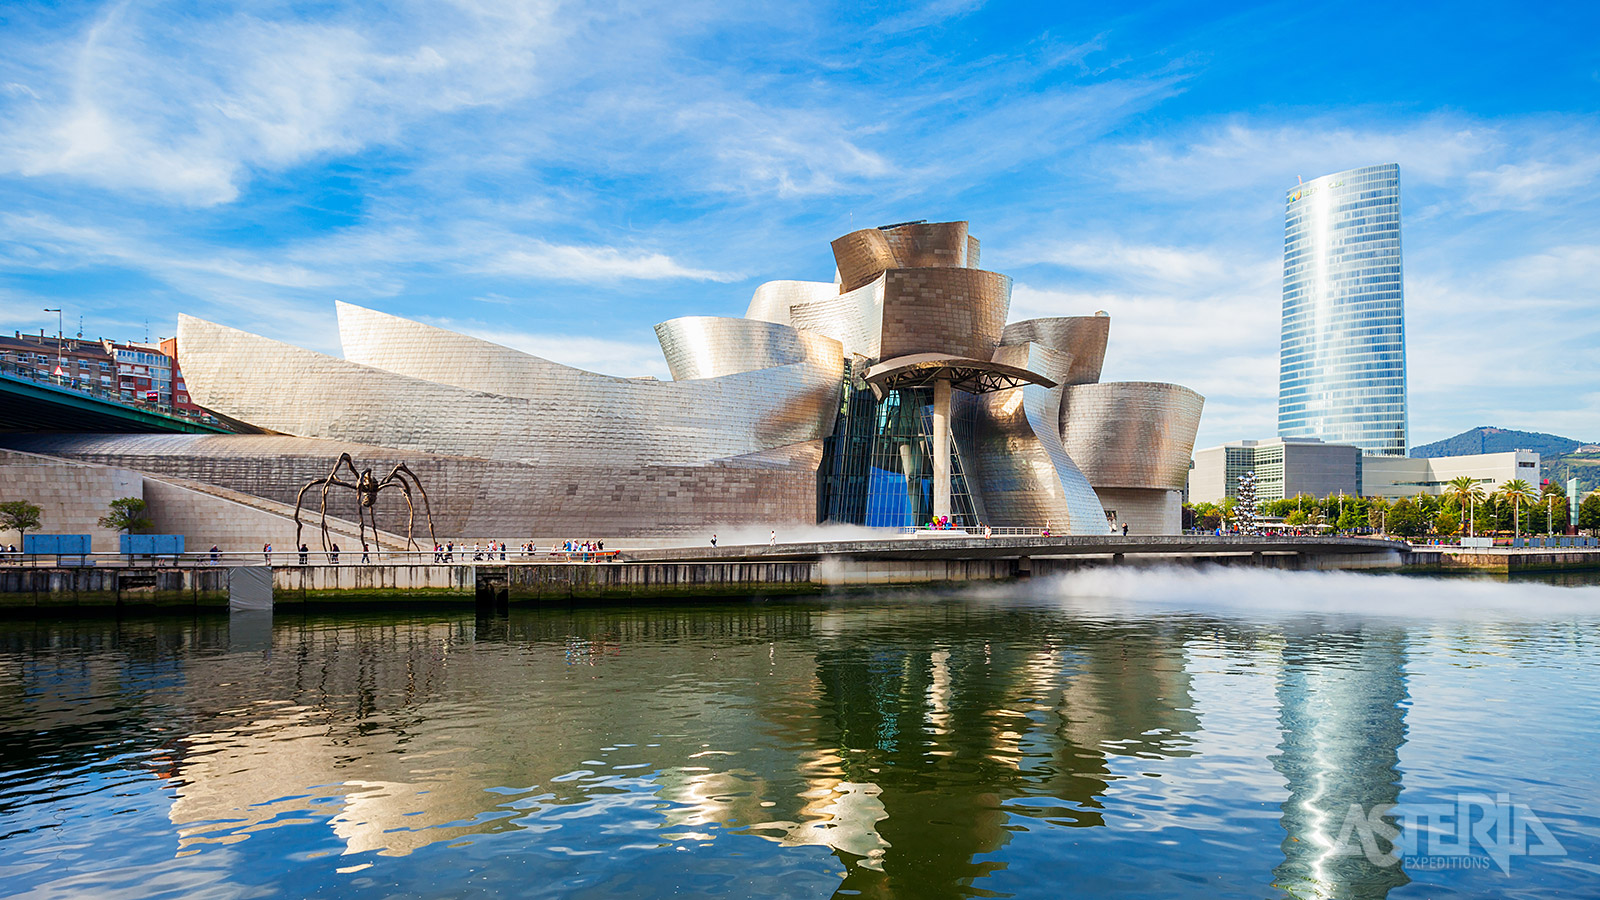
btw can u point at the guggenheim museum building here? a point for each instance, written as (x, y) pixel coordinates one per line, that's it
(894, 395)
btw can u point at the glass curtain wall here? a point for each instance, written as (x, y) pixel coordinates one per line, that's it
(877, 469)
(1342, 370)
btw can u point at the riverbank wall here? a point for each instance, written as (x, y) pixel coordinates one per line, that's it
(1502, 562)
(701, 573)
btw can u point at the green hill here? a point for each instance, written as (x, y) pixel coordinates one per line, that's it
(1559, 457)
(1486, 439)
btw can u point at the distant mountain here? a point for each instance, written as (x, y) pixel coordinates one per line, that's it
(1485, 439)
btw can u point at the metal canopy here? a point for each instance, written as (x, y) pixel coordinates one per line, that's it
(975, 376)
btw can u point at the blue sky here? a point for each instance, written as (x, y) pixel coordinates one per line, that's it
(560, 178)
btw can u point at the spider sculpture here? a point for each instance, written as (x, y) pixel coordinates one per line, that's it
(366, 488)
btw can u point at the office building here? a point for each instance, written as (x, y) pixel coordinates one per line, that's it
(1342, 365)
(1288, 467)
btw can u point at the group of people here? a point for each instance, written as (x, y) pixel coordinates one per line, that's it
(304, 553)
(446, 552)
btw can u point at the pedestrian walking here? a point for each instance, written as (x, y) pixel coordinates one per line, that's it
(1124, 529)
(334, 555)
(713, 540)
(266, 551)
(215, 554)
(773, 540)
(304, 550)
(364, 557)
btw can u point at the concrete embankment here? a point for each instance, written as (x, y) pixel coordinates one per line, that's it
(1501, 562)
(698, 573)
(205, 587)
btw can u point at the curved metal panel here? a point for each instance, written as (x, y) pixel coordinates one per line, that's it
(772, 300)
(927, 244)
(1027, 477)
(1083, 338)
(1131, 434)
(959, 312)
(854, 318)
(862, 256)
(446, 393)
(712, 346)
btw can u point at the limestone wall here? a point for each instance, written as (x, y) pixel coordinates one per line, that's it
(71, 496)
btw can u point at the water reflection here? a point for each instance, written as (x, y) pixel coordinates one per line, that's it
(1341, 701)
(925, 748)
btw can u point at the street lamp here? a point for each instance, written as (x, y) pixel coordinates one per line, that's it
(59, 329)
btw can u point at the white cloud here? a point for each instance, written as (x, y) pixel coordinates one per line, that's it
(158, 100)
(570, 263)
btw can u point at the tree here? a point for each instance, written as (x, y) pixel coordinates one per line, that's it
(1468, 495)
(1405, 518)
(18, 516)
(1589, 512)
(1517, 492)
(127, 514)
(1378, 515)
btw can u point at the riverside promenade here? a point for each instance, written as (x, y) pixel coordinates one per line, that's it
(752, 570)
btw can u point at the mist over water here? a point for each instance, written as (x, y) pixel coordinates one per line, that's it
(1112, 733)
(1274, 594)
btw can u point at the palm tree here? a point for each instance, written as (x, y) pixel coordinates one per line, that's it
(1518, 492)
(1467, 494)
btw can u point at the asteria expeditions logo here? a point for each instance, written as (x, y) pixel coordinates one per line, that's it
(1443, 835)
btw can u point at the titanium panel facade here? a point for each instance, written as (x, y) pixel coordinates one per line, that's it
(853, 318)
(928, 244)
(713, 346)
(1026, 476)
(861, 257)
(1082, 338)
(293, 391)
(958, 312)
(772, 300)
(1134, 434)
(1342, 367)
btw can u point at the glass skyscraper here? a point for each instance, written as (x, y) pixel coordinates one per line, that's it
(1342, 368)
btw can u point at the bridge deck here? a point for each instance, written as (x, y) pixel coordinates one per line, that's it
(1027, 546)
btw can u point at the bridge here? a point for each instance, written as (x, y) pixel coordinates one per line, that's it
(29, 405)
(1056, 552)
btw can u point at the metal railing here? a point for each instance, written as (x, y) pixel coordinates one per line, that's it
(974, 531)
(312, 558)
(100, 392)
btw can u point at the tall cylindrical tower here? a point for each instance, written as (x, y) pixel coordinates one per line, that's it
(1342, 363)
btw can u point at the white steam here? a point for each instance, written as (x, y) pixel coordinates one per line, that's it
(1116, 592)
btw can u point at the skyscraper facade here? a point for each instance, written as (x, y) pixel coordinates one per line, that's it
(1342, 366)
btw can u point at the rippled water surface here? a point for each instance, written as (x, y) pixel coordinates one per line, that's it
(1118, 734)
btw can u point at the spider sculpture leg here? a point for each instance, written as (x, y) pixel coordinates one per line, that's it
(298, 500)
(333, 479)
(391, 480)
(426, 508)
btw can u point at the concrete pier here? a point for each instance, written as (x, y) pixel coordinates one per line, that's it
(740, 571)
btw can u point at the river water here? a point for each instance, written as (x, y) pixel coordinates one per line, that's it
(1119, 733)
